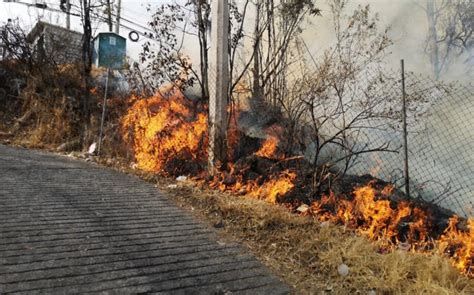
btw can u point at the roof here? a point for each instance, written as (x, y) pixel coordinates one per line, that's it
(40, 26)
(109, 33)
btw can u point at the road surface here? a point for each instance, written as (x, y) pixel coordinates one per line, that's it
(71, 227)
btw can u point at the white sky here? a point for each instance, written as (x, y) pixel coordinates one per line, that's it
(135, 11)
(407, 20)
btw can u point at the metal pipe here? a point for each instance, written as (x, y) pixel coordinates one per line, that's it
(103, 112)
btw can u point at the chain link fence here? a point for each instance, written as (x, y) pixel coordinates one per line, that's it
(440, 141)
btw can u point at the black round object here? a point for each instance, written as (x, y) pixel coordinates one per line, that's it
(133, 36)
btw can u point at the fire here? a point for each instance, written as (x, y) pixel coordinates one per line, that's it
(372, 214)
(271, 190)
(459, 244)
(169, 135)
(269, 147)
(163, 129)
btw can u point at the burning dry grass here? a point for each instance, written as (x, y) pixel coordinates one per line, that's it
(164, 133)
(403, 224)
(269, 147)
(270, 189)
(168, 133)
(307, 253)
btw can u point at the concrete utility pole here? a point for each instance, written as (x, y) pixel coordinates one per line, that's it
(218, 84)
(117, 23)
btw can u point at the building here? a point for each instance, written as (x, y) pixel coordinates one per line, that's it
(55, 44)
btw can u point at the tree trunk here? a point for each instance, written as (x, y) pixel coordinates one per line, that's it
(433, 38)
(257, 87)
(87, 65)
(87, 38)
(201, 17)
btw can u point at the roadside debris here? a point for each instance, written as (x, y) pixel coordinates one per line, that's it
(92, 149)
(181, 178)
(343, 269)
(303, 208)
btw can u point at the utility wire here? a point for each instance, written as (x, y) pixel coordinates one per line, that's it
(77, 13)
(102, 18)
(42, 6)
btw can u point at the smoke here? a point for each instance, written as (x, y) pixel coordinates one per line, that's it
(441, 158)
(441, 161)
(440, 134)
(408, 23)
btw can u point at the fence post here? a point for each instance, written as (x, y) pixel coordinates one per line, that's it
(405, 132)
(219, 83)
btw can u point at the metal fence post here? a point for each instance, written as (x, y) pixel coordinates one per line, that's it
(405, 132)
(103, 112)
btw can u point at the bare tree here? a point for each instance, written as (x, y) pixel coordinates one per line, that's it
(277, 27)
(163, 60)
(172, 23)
(450, 35)
(14, 40)
(88, 14)
(337, 104)
(202, 11)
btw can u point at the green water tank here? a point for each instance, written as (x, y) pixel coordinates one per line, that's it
(109, 50)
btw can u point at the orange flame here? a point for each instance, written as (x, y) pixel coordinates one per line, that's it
(167, 134)
(160, 130)
(459, 244)
(271, 190)
(378, 220)
(268, 148)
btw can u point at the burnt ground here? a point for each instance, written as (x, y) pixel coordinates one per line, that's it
(71, 227)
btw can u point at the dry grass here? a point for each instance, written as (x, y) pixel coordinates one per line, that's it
(48, 111)
(307, 253)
